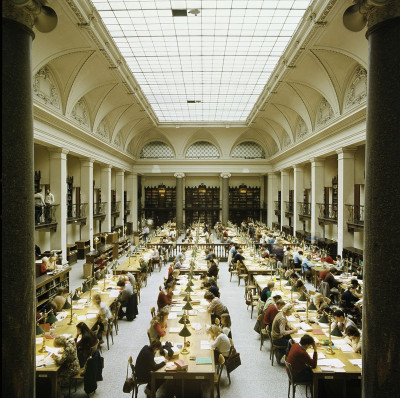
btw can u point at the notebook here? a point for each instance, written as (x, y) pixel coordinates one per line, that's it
(203, 361)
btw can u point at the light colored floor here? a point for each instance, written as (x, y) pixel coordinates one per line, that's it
(255, 378)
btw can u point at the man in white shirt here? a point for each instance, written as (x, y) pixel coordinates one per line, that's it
(39, 203)
(49, 200)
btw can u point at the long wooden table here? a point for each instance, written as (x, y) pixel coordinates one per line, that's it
(202, 373)
(63, 327)
(349, 371)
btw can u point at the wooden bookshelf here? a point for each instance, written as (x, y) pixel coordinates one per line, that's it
(202, 203)
(97, 260)
(160, 204)
(83, 247)
(244, 203)
(121, 247)
(72, 254)
(46, 286)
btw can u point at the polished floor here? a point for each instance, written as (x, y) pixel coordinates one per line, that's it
(255, 378)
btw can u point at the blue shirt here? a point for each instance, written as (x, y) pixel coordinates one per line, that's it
(306, 265)
(297, 259)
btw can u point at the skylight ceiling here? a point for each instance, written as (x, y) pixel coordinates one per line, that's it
(206, 68)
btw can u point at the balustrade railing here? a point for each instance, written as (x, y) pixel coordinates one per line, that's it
(288, 207)
(76, 211)
(45, 214)
(355, 214)
(115, 206)
(99, 208)
(304, 209)
(328, 211)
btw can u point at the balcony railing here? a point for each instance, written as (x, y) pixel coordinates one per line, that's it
(76, 211)
(277, 208)
(355, 215)
(115, 206)
(328, 211)
(288, 207)
(99, 209)
(45, 215)
(304, 209)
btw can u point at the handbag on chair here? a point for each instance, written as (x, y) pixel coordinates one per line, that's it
(129, 383)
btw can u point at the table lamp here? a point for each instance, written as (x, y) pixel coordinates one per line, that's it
(312, 307)
(96, 242)
(76, 296)
(336, 332)
(184, 333)
(329, 350)
(39, 330)
(324, 318)
(85, 287)
(52, 318)
(302, 297)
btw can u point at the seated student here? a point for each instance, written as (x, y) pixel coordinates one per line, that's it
(306, 267)
(353, 337)
(123, 296)
(293, 278)
(281, 331)
(145, 364)
(68, 362)
(339, 262)
(215, 307)
(60, 298)
(170, 269)
(173, 277)
(342, 322)
(165, 297)
(351, 295)
(272, 312)
(38, 252)
(213, 287)
(209, 255)
(300, 286)
(181, 256)
(267, 291)
(103, 316)
(87, 341)
(298, 259)
(332, 282)
(238, 256)
(271, 300)
(321, 302)
(158, 325)
(328, 259)
(225, 324)
(52, 264)
(143, 266)
(265, 252)
(132, 280)
(220, 342)
(300, 360)
(44, 266)
(213, 269)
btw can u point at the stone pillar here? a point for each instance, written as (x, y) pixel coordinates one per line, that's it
(298, 188)
(381, 344)
(58, 184)
(179, 201)
(119, 188)
(272, 196)
(225, 198)
(106, 197)
(87, 197)
(345, 195)
(317, 196)
(18, 278)
(284, 196)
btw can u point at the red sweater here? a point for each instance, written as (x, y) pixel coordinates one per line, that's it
(299, 358)
(164, 299)
(270, 314)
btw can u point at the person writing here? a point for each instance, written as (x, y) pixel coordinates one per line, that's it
(165, 297)
(353, 337)
(306, 267)
(267, 291)
(85, 343)
(300, 360)
(272, 311)
(216, 308)
(220, 342)
(60, 298)
(103, 316)
(158, 325)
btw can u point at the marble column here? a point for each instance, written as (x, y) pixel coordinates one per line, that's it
(106, 197)
(179, 200)
(345, 196)
(272, 197)
(265, 201)
(18, 222)
(298, 188)
(58, 184)
(119, 191)
(132, 197)
(225, 198)
(87, 197)
(284, 196)
(317, 196)
(381, 344)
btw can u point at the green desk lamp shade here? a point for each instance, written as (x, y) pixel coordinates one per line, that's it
(184, 320)
(94, 282)
(336, 332)
(39, 330)
(288, 283)
(85, 288)
(303, 297)
(323, 319)
(67, 305)
(294, 289)
(75, 297)
(187, 306)
(102, 275)
(187, 298)
(190, 283)
(52, 318)
(188, 289)
(185, 332)
(312, 307)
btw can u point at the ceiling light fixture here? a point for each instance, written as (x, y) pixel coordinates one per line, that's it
(195, 12)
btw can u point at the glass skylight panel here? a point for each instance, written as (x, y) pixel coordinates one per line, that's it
(221, 58)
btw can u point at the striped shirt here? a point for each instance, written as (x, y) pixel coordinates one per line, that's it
(216, 306)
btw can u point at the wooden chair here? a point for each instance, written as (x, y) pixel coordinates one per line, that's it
(136, 382)
(295, 383)
(78, 377)
(242, 274)
(115, 313)
(109, 332)
(250, 301)
(217, 377)
(233, 271)
(264, 335)
(274, 347)
(153, 312)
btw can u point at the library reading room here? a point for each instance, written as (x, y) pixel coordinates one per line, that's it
(200, 198)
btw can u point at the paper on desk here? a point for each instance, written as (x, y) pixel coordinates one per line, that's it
(305, 326)
(205, 346)
(114, 293)
(291, 318)
(336, 363)
(202, 310)
(172, 315)
(91, 316)
(82, 301)
(53, 350)
(39, 340)
(81, 317)
(338, 341)
(204, 302)
(344, 347)
(62, 315)
(78, 307)
(174, 330)
(67, 335)
(92, 311)
(176, 308)
(196, 326)
(159, 359)
(356, 362)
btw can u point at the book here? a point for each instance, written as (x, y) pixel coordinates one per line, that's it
(203, 361)
(181, 364)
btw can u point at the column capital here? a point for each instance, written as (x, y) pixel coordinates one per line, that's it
(225, 175)
(376, 13)
(298, 166)
(317, 162)
(346, 153)
(284, 172)
(179, 175)
(87, 161)
(106, 166)
(26, 13)
(120, 172)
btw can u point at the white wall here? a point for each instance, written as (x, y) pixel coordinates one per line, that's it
(41, 162)
(209, 181)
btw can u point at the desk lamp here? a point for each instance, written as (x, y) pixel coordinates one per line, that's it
(336, 332)
(39, 330)
(303, 297)
(76, 296)
(184, 333)
(187, 308)
(329, 350)
(96, 242)
(70, 306)
(85, 287)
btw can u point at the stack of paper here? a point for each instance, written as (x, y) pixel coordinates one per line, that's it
(78, 306)
(291, 318)
(201, 310)
(335, 363)
(92, 311)
(176, 308)
(81, 317)
(305, 326)
(172, 315)
(345, 347)
(91, 316)
(159, 359)
(62, 315)
(205, 345)
(196, 326)
(204, 302)
(82, 301)
(114, 293)
(39, 340)
(356, 362)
